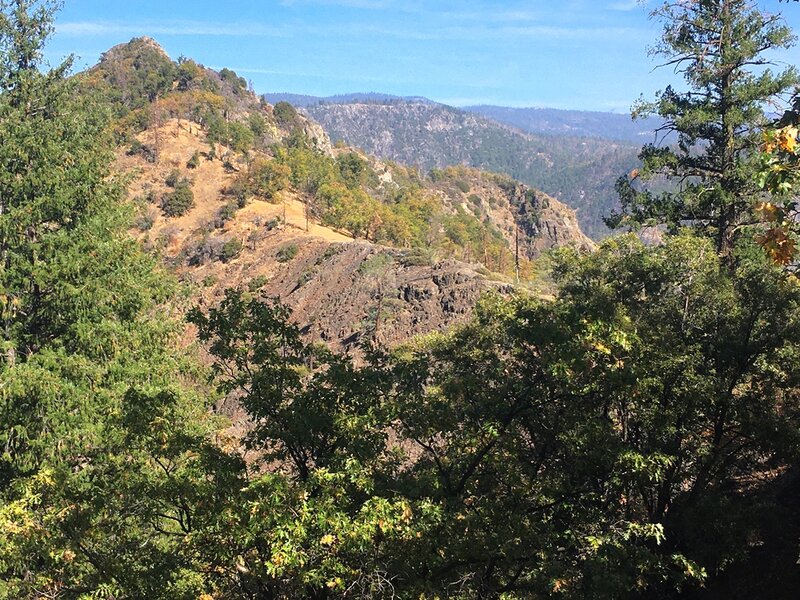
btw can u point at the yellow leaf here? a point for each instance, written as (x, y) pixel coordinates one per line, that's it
(768, 211)
(787, 138)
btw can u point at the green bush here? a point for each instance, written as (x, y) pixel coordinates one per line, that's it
(287, 253)
(179, 201)
(194, 161)
(230, 249)
(285, 114)
(462, 185)
(137, 148)
(145, 221)
(256, 283)
(417, 257)
(225, 214)
(173, 178)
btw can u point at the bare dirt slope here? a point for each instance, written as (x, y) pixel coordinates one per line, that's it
(340, 289)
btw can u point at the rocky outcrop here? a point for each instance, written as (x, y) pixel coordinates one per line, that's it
(342, 292)
(536, 220)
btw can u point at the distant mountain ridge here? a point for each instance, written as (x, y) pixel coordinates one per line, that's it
(551, 121)
(303, 101)
(548, 121)
(579, 171)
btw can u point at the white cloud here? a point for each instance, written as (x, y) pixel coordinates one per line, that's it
(365, 4)
(98, 28)
(627, 6)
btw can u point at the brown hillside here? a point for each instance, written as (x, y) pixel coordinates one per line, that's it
(333, 282)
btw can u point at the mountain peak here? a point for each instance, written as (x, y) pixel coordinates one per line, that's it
(137, 46)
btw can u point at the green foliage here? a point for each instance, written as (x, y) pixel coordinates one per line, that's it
(238, 84)
(311, 526)
(309, 167)
(225, 214)
(90, 412)
(266, 178)
(462, 185)
(716, 46)
(611, 423)
(230, 249)
(287, 253)
(353, 169)
(194, 160)
(285, 114)
(147, 74)
(256, 283)
(238, 136)
(179, 201)
(188, 73)
(138, 148)
(608, 443)
(343, 208)
(417, 257)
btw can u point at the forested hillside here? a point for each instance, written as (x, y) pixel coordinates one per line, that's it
(232, 191)
(579, 171)
(204, 395)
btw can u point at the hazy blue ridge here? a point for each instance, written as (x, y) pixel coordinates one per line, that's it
(575, 123)
(304, 101)
(580, 171)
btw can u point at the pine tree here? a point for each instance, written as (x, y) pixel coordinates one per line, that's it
(94, 429)
(721, 48)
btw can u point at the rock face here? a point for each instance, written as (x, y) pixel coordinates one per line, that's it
(530, 218)
(342, 292)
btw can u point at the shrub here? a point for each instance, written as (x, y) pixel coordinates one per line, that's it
(194, 161)
(179, 201)
(285, 114)
(225, 214)
(137, 148)
(417, 257)
(287, 253)
(256, 283)
(436, 175)
(462, 185)
(230, 249)
(173, 178)
(145, 221)
(268, 177)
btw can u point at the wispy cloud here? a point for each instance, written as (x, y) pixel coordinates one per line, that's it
(340, 76)
(617, 106)
(99, 28)
(626, 6)
(478, 33)
(365, 4)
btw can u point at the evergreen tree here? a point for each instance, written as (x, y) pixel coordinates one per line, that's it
(94, 430)
(721, 47)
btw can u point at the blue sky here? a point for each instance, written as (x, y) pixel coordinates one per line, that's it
(578, 54)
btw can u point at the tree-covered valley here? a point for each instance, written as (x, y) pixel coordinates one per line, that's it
(240, 361)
